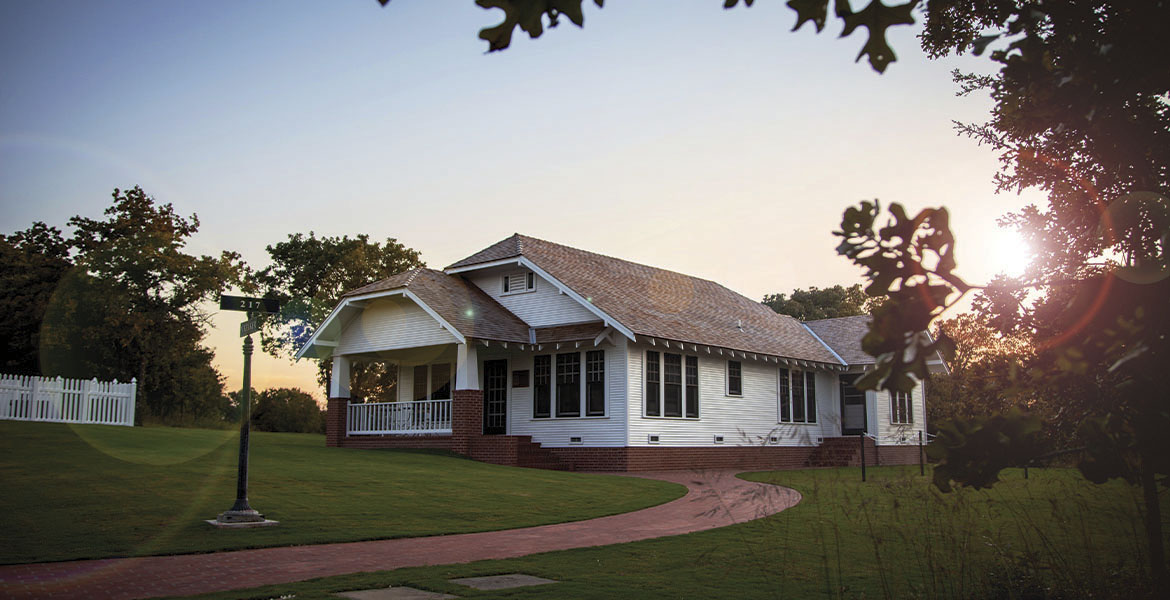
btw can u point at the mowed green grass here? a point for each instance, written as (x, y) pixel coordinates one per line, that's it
(95, 491)
(892, 537)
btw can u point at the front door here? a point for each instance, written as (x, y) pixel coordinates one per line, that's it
(495, 397)
(852, 407)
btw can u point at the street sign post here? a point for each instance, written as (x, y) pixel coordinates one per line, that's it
(241, 514)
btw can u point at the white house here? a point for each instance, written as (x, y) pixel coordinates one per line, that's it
(536, 354)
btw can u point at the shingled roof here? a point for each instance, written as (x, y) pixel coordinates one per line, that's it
(466, 307)
(663, 304)
(843, 335)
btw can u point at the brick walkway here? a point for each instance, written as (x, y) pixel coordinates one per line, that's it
(714, 499)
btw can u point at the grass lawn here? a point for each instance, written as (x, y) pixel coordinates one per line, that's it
(893, 537)
(89, 491)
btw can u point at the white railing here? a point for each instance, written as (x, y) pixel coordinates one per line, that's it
(60, 400)
(418, 417)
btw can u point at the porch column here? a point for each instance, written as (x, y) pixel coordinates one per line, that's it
(467, 399)
(335, 410)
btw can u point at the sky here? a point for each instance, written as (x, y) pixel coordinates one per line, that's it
(676, 134)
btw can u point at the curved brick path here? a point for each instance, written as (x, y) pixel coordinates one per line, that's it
(714, 499)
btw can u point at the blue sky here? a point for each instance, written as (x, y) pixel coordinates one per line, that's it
(676, 134)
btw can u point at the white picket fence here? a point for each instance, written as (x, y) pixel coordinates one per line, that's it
(60, 400)
(382, 418)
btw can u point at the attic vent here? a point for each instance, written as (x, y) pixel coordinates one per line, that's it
(575, 439)
(652, 439)
(718, 439)
(519, 282)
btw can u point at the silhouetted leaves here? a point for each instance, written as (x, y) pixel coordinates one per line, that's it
(974, 451)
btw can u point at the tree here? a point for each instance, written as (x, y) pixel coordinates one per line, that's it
(32, 263)
(828, 303)
(287, 409)
(981, 374)
(129, 307)
(530, 16)
(1082, 111)
(309, 276)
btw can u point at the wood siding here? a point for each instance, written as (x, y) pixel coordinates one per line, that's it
(890, 434)
(541, 308)
(747, 420)
(607, 431)
(390, 324)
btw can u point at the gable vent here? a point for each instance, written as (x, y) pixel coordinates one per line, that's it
(519, 282)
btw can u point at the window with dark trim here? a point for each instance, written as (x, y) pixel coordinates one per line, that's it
(573, 380)
(692, 387)
(798, 396)
(653, 383)
(595, 383)
(672, 385)
(901, 408)
(734, 378)
(569, 385)
(810, 396)
(542, 386)
(785, 398)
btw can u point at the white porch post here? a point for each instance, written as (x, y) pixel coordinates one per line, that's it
(467, 367)
(339, 379)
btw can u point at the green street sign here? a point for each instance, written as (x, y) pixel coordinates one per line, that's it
(244, 303)
(249, 327)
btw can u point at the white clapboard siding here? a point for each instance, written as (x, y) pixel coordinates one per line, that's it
(391, 324)
(546, 306)
(60, 400)
(891, 434)
(608, 431)
(750, 419)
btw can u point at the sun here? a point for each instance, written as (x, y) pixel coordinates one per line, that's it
(1008, 253)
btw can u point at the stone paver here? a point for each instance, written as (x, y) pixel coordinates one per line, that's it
(394, 593)
(501, 582)
(714, 499)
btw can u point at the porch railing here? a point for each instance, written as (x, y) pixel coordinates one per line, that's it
(381, 418)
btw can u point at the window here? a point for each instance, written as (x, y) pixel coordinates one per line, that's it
(810, 396)
(692, 387)
(420, 382)
(595, 383)
(901, 408)
(785, 398)
(798, 396)
(519, 282)
(441, 382)
(653, 381)
(569, 385)
(734, 378)
(672, 385)
(574, 380)
(432, 382)
(542, 386)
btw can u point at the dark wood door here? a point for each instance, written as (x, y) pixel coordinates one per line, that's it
(495, 397)
(852, 407)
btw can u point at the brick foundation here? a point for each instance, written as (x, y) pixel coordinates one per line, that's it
(895, 455)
